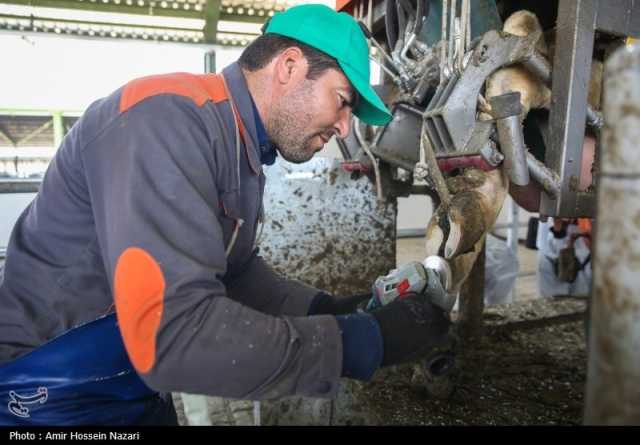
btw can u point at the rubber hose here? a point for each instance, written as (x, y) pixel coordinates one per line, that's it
(390, 22)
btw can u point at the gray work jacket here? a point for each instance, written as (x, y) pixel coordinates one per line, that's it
(154, 168)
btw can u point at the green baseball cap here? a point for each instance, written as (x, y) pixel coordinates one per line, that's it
(338, 35)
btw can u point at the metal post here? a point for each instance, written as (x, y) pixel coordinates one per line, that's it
(471, 302)
(58, 128)
(613, 385)
(506, 109)
(576, 26)
(210, 61)
(512, 235)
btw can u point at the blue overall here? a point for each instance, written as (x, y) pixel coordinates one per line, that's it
(82, 377)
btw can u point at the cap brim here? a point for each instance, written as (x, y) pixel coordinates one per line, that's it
(370, 109)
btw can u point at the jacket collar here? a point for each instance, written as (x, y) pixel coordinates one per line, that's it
(239, 90)
(268, 152)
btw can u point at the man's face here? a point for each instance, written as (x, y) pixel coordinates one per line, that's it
(309, 113)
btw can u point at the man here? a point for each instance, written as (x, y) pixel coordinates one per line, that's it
(564, 257)
(150, 207)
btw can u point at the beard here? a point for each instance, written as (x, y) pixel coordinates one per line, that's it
(290, 122)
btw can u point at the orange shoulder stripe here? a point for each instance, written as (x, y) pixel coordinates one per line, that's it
(139, 298)
(198, 88)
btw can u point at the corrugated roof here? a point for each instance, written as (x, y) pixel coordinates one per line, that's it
(185, 21)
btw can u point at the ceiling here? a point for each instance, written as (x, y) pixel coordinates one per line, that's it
(225, 22)
(33, 129)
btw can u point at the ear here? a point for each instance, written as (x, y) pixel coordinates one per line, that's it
(291, 66)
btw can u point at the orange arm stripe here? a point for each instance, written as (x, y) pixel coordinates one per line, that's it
(139, 297)
(198, 88)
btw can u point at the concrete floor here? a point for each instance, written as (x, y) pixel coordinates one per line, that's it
(412, 249)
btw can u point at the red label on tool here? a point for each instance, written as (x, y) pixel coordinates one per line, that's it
(403, 287)
(451, 163)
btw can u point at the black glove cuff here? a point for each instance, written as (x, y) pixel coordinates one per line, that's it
(327, 304)
(411, 329)
(321, 304)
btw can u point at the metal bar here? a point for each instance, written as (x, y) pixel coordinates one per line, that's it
(35, 132)
(344, 150)
(370, 15)
(613, 383)
(443, 41)
(513, 149)
(506, 109)
(512, 234)
(634, 20)
(467, 44)
(620, 17)
(7, 137)
(34, 18)
(463, 33)
(24, 159)
(34, 112)
(379, 12)
(512, 237)
(539, 67)
(510, 225)
(451, 35)
(392, 159)
(123, 8)
(572, 70)
(434, 170)
(147, 9)
(542, 175)
(19, 185)
(210, 61)
(115, 30)
(410, 233)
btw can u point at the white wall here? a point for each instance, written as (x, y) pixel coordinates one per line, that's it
(48, 72)
(66, 73)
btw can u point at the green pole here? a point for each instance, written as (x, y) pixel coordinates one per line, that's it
(58, 128)
(210, 61)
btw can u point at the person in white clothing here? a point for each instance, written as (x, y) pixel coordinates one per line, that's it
(561, 242)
